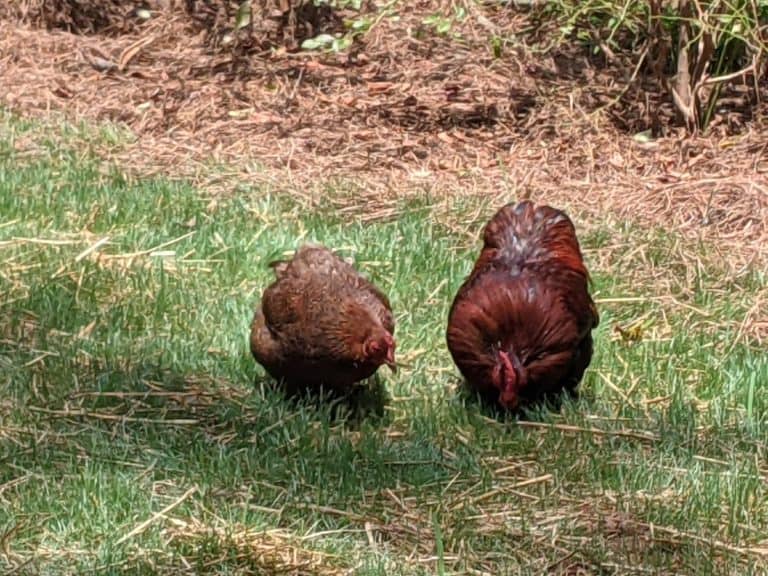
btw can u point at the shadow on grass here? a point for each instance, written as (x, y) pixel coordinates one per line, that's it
(189, 420)
(365, 401)
(539, 410)
(159, 395)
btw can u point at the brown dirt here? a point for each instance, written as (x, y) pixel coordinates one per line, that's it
(405, 111)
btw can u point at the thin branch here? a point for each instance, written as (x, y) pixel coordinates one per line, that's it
(144, 525)
(726, 77)
(643, 436)
(113, 417)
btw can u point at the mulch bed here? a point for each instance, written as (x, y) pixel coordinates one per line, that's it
(403, 111)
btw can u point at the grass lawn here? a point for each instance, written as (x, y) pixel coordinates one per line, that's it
(136, 435)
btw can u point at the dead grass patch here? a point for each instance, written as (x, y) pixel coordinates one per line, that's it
(253, 551)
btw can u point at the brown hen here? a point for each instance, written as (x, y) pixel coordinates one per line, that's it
(519, 329)
(321, 323)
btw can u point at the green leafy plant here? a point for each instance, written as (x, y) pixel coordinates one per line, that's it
(443, 24)
(243, 16)
(328, 42)
(355, 27)
(693, 48)
(496, 46)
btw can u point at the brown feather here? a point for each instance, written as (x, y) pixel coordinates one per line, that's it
(527, 298)
(316, 319)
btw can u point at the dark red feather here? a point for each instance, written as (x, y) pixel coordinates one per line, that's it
(520, 326)
(321, 323)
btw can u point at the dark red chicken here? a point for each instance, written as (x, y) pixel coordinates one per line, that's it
(322, 323)
(519, 329)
